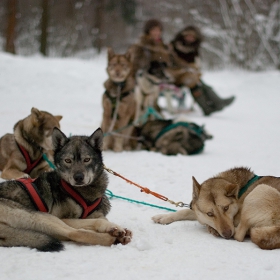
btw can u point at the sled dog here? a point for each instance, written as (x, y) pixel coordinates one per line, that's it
(148, 88)
(172, 137)
(235, 203)
(71, 200)
(21, 152)
(119, 103)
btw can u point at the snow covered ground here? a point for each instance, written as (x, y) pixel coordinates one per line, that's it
(245, 134)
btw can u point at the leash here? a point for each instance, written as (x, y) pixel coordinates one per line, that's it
(48, 161)
(149, 111)
(111, 195)
(115, 115)
(141, 119)
(146, 190)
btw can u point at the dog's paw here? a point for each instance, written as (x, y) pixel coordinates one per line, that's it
(163, 219)
(25, 176)
(123, 236)
(212, 231)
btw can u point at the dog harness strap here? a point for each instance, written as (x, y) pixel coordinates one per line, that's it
(80, 200)
(30, 165)
(34, 194)
(114, 99)
(249, 183)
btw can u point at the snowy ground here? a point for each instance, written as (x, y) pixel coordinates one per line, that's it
(245, 134)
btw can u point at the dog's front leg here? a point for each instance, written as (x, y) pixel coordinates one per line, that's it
(181, 215)
(10, 173)
(102, 225)
(212, 231)
(51, 225)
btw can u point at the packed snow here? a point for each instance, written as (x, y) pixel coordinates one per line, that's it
(245, 134)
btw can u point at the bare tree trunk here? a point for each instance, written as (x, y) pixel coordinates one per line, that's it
(44, 27)
(98, 24)
(10, 37)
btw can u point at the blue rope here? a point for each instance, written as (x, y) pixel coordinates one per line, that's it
(111, 195)
(149, 111)
(142, 119)
(48, 161)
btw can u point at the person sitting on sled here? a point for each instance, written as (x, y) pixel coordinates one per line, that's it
(185, 49)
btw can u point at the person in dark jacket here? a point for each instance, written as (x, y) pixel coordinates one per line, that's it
(150, 47)
(185, 49)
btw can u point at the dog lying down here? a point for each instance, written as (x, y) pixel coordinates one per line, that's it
(21, 152)
(233, 204)
(72, 199)
(172, 137)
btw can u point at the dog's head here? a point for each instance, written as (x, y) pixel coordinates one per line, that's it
(156, 68)
(215, 204)
(79, 158)
(38, 127)
(119, 66)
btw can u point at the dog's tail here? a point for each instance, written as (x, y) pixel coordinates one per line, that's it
(13, 237)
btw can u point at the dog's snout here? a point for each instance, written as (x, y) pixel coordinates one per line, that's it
(227, 233)
(78, 177)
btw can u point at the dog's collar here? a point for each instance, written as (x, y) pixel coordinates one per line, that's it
(87, 209)
(30, 165)
(249, 183)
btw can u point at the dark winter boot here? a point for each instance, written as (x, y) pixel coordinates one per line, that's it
(207, 105)
(212, 95)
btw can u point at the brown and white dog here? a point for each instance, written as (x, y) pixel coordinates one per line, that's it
(21, 152)
(234, 203)
(119, 103)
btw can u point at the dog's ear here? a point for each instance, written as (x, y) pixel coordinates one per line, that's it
(232, 191)
(36, 116)
(58, 117)
(59, 138)
(96, 139)
(196, 189)
(110, 53)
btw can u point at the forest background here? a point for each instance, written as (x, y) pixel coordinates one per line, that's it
(237, 33)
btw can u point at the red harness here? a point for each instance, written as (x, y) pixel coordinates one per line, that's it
(34, 194)
(87, 209)
(30, 165)
(41, 205)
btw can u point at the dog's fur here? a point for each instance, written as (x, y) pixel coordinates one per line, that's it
(119, 95)
(188, 76)
(147, 89)
(34, 134)
(217, 205)
(178, 140)
(79, 163)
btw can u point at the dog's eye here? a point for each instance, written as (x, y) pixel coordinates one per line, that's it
(210, 214)
(87, 159)
(226, 208)
(68, 160)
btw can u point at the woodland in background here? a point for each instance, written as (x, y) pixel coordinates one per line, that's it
(242, 33)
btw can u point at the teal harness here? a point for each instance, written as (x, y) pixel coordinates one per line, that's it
(249, 183)
(198, 130)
